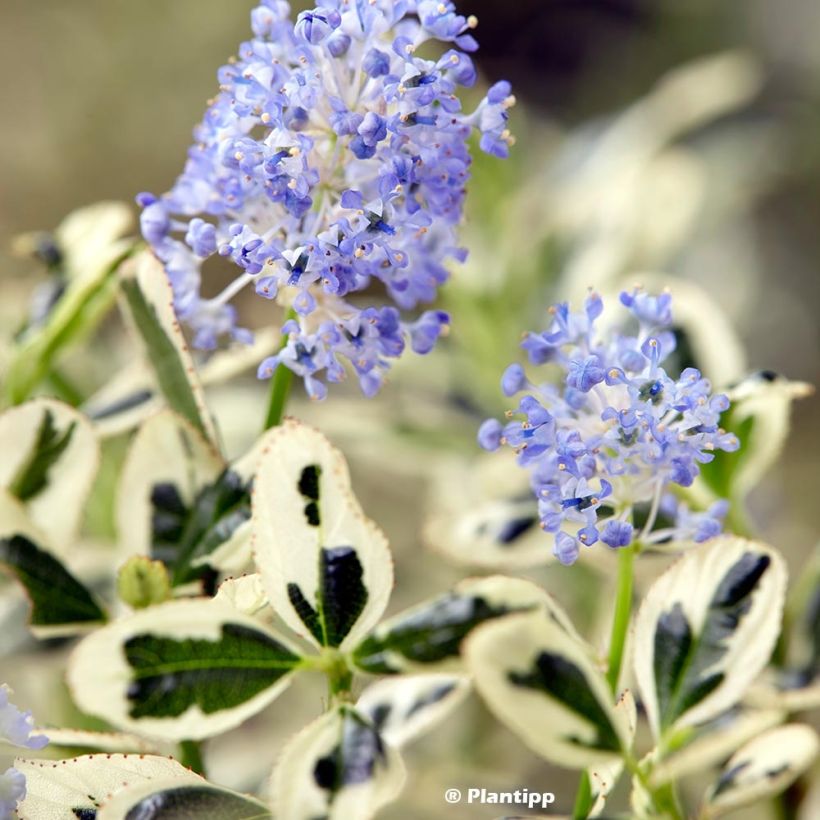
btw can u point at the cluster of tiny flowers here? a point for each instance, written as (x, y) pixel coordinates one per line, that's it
(16, 728)
(615, 432)
(333, 161)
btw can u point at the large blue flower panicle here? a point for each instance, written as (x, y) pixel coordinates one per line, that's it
(333, 161)
(613, 430)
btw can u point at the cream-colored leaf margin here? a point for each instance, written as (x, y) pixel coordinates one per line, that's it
(55, 788)
(286, 547)
(512, 644)
(58, 509)
(762, 768)
(297, 796)
(99, 675)
(691, 583)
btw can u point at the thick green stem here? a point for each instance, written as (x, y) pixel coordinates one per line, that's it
(620, 621)
(190, 755)
(280, 388)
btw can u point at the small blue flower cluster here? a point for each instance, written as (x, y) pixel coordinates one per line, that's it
(333, 161)
(16, 729)
(616, 432)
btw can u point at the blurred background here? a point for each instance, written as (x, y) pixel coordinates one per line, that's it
(657, 142)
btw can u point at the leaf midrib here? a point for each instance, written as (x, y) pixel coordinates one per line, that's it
(188, 666)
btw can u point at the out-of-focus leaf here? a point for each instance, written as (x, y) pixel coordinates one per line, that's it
(604, 775)
(131, 396)
(59, 602)
(762, 768)
(89, 250)
(100, 741)
(713, 742)
(76, 788)
(50, 444)
(403, 708)
(705, 630)
(168, 465)
(429, 635)
(50, 456)
(169, 800)
(483, 513)
(181, 670)
(326, 566)
(760, 418)
(149, 298)
(337, 768)
(542, 683)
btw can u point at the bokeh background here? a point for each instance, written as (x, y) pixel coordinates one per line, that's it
(655, 140)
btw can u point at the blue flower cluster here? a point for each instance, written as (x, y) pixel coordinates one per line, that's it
(16, 729)
(616, 431)
(333, 162)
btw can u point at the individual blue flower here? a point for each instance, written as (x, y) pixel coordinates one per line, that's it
(566, 548)
(16, 726)
(513, 380)
(12, 791)
(17, 729)
(615, 432)
(331, 166)
(617, 533)
(698, 526)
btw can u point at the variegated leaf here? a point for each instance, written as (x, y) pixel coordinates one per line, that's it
(713, 742)
(762, 768)
(337, 768)
(76, 788)
(131, 396)
(403, 708)
(168, 799)
(50, 457)
(60, 604)
(765, 695)
(429, 635)
(86, 250)
(101, 741)
(483, 513)
(760, 417)
(167, 467)
(604, 775)
(326, 567)
(706, 629)
(543, 684)
(150, 299)
(183, 670)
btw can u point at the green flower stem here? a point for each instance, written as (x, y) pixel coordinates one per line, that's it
(583, 798)
(190, 755)
(620, 621)
(620, 624)
(280, 388)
